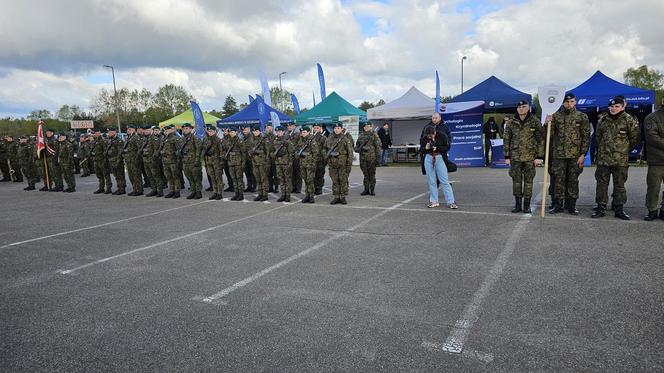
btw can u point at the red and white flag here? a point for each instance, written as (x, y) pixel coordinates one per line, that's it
(41, 143)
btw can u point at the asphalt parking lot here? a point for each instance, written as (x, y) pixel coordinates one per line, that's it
(117, 283)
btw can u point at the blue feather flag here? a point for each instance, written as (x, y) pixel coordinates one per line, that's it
(321, 80)
(198, 119)
(296, 104)
(437, 106)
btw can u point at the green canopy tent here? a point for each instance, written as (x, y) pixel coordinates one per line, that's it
(328, 111)
(188, 117)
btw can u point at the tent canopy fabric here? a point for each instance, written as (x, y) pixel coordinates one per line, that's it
(251, 115)
(413, 104)
(599, 89)
(329, 110)
(496, 94)
(187, 117)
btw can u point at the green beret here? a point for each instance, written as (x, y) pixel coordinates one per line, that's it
(210, 127)
(305, 128)
(257, 128)
(187, 125)
(338, 124)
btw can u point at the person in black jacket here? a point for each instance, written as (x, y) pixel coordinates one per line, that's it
(490, 131)
(433, 145)
(386, 142)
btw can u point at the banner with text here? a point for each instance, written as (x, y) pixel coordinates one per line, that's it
(467, 144)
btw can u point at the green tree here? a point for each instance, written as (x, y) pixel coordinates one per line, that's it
(281, 99)
(380, 103)
(40, 114)
(230, 107)
(645, 78)
(171, 99)
(366, 105)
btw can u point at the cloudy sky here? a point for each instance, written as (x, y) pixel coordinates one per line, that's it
(52, 52)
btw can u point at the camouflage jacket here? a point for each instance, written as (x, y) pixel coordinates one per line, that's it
(190, 150)
(282, 151)
(211, 147)
(570, 134)
(26, 154)
(12, 151)
(259, 149)
(50, 143)
(233, 151)
(83, 150)
(523, 139)
(308, 151)
(132, 148)
(616, 136)
(98, 152)
(339, 151)
(65, 153)
(152, 150)
(368, 144)
(169, 149)
(114, 150)
(654, 137)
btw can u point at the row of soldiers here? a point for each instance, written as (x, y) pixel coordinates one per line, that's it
(270, 161)
(617, 134)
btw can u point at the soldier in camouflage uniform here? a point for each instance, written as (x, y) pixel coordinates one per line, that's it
(169, 161)
(308, 151)
(211, 151)
(368, 145)
(233, 151)
(248, 140)
(12, 159)
(654, 139)
(617, 133)
(66, 153)
(282, 153)
(116, 161)
(339, 154)
(321, 163)
(26, 160)
(190, 153)
(54, 174)
(293, 136)
(224, 161)
(570, 139)
(259, 152)
(83, 154)
(524, 142)
(273, 183)
(98, 157)
(3, 162)
(152, 161)
(132, 157)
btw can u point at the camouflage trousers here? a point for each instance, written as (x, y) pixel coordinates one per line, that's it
(30, 172)
(368, 167)
(135, 175)
(68, 174)
(103, 175)
(172, 176)
(86, 166)
(18, 176)
(118, 171)
(602, 176)
(154, 174)
(320, 176)
(249, 172)
(339, 176)
(654, 181)
(566, 173)
(308, 173)
(54, 173)
(284, 177)
(194, 174)
(236, 175)
(272, 181)
(260, 170)
(214, 169)
(296, 178)
(523, 174)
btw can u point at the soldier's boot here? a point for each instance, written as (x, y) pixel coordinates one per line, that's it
(120, 192)
(213, 197)
(258, 198)
(335, 200)
(318, 192)
(108, 191)
(58, 189)
(137, 193)
(176, 194)
(264, 197)
(219, 196)
(44, 188)
(652, 215)
(526, 206)
(198, 195)
(28, 188)
(600, 212)
(661, 213)
(170, 195)
(282, 198)
(372, 190)
(556, 206)
(152, 193)
(160, 193)
(517, 205)
(365, 192)
(571, 207)
(191, 195)
(98, 191)
(240, 196)
(342, 200)
(287, 199)
(234, 198)
(620, 213)
(305, 199)
(311, 199)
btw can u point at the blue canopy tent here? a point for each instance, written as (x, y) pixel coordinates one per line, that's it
(596, 92)
(257, 112)
(497, 95)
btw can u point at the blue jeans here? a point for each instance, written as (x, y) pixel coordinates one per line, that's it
(383, 157)
(439, 171)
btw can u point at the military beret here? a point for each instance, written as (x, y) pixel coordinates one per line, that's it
(112, 129)
(96, 130)
(291, 124)
(618, 100)
(146, 127)
(279, 128)
(50, 130)
(256, 128)
(187, 125)
(317, 125)
(522, 102)
(305, 128)
(569, 96)
(232, 128)
(210, 127)
(338, 124)
(132, 126)
(368, 124)
(169, 126)
(268, 124)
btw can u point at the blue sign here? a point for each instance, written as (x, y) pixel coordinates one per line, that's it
(198, 119)
(467, 143)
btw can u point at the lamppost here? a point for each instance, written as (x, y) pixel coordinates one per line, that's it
(462, 59)
(281, 92)
(115, 91)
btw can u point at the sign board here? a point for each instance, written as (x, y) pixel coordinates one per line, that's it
(82, 124)
(550, 99)
(352, 125)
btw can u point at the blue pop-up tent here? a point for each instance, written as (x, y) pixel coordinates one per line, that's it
(599, 89)
(257, 112)
(497, 95)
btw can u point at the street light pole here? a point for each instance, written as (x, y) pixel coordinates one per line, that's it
(281, 92)
(462, 59)
(115, 91)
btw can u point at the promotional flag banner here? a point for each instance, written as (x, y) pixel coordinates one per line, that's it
(321, 80)
(265, 89)
(437, 104)
(296, 104)
(198, 119)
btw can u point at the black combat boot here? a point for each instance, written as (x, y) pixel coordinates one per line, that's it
(219, 196)
(98, 191)
(152, 193)
(264, 197)
(198, 195)
(318, 192)
(213, 197)
(600, 211)
(191, 195)
(365, 192)
(43, 189)
(661, 213)
(372, 190)
(652, 215)
(305, 199)
(557, 206)
(311, 199)
(526, 206)
(235, 196)
(517, 205)
(571, 207)
(169, 195)
(335, 201)
(138, 194)
(29, 187)
(342, 200)
(282, 198)
(287, 199)
(160, 193)
(240, 196)
(176, 194)
(620, 213)
(258, 198)
(121, 191)
(108, 191)
(57, 189)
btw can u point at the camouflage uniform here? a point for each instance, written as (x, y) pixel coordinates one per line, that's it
(308, 152)
(98, 156)
(26, 160)
(116, 163)
(54, 171)
(283, 153)
(211, 150)
(320, 164)
(368, 145)
(296, 178)
(616, 135)
(247, 141)
(66, 161)
(523, 143)
(260, 161)
(272, 181)
(169, 161)
(152, 163)
(83, 154)
(654, 139)
(3, 162)
(570, 139)
(190, 153)
(12, 159)
(340, 160)
(133, 159)
(233, 151)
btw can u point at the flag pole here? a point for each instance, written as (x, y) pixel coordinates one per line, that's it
(48, 182)
(546, 169)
